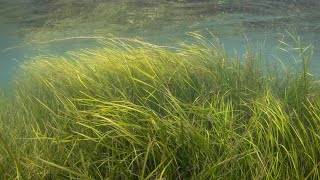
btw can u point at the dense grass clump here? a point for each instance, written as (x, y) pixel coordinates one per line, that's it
(134, 110)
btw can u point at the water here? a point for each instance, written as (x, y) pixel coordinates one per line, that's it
(33, 27)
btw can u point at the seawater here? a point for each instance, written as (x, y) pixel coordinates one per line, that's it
(239, 25)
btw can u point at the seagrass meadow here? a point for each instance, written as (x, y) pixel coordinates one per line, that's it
(134, 110)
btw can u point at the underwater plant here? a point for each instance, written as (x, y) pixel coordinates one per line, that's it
(135, 110)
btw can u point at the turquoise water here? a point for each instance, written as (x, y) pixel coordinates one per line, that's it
(34, 27)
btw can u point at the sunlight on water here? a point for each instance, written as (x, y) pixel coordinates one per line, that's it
(33, 27)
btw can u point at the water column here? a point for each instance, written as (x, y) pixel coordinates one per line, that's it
(8, 57)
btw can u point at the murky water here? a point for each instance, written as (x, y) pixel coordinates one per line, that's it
(32, 27)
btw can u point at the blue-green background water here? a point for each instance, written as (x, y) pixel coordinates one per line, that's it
(238, 24)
